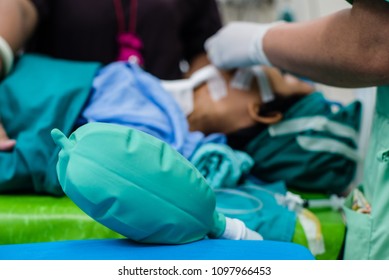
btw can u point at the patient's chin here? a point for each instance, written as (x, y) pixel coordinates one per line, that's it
(195, 123)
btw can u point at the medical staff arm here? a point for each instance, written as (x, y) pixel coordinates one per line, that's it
(18, 19)
(348, 48)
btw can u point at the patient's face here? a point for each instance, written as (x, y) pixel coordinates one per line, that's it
(210, 116)
(231, 112)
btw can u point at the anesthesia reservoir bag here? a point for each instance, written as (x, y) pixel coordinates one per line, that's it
(139, 186)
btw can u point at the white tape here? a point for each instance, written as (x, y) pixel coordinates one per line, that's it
(183, 90)
(242, 79)
(263, 83)
(217, 87)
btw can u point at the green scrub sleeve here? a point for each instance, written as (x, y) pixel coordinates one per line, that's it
(40, 94)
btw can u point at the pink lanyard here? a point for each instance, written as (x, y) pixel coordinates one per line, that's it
(120, 16)
(129, 44)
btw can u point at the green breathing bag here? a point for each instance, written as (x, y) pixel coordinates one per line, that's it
(136, 185)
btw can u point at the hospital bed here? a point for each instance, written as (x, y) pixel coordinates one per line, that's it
(45, 227)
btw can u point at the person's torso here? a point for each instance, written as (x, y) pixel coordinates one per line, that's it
(87, 30)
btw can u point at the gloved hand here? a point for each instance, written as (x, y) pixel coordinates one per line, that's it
(238, 44)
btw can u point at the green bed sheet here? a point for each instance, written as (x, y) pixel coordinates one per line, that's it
(29, 219)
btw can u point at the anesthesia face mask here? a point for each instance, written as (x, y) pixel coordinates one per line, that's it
(183, 90)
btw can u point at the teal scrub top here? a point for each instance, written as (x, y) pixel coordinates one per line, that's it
(367, 234)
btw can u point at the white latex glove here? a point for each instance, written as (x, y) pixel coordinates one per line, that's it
(239, 44)
(237, 230)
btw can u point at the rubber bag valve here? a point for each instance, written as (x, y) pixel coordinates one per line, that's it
(136, 185)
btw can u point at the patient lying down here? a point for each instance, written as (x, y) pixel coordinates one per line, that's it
(185, 113)
(213, 101)
(188, 113)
